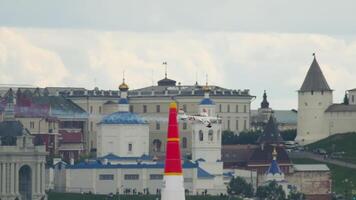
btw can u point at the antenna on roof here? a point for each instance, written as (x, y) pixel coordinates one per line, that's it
(206, 79)
(196, 77)
(165, 69)
(123, 76)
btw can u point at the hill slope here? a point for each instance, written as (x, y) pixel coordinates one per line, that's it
(338, 143)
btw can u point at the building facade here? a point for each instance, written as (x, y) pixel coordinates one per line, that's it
(233, 106)
(22, 160)
(318, 116)
(123, 133)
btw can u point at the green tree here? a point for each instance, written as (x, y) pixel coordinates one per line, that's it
(294, 195)
(228, 137)
(272, 191)
(239, 186)
(289, 135)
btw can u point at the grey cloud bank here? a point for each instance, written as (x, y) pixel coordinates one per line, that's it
(258, 61)
(303, 16)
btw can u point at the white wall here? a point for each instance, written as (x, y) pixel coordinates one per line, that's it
(312, 125)
(114, 138)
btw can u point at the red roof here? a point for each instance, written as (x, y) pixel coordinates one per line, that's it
(71, 137)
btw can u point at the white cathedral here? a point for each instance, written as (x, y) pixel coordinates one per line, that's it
(318, 116)
(124, 166)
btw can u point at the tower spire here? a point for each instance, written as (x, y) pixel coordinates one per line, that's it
(9, 113)
(165, 69)
(264, 103)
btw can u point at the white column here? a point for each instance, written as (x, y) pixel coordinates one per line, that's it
(4, 178)
(38, 178)
(11, 179)
(43, 185)
(17, 178)
(1, 178)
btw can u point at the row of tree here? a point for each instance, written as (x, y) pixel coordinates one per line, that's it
(272, 191)
(250, 137)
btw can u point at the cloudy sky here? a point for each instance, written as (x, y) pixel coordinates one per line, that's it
(259, 45)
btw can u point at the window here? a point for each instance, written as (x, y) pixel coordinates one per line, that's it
(312, 92)
(99, 109)
(106, 177)
(158, 126)
(228, 108)
(144, 108)
(237, 108)
(245, 124)
(158, 108)
(185, 108)
(218, 135)
(228, 124)
(184, 143)
(157, 145)
(131, 108)
(220, 107)
(32, 125)
(156, 177)
(201, 135)
(91, 126)
(131, 177)
(184, 125)
(353, 98)
(237, 125)
(91, 109)
(245, 108)
(130, 147)
(211, 135)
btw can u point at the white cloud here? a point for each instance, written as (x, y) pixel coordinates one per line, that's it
(273, 61)
(22, 62)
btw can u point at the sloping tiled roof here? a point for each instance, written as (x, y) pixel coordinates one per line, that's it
(99, 165)
(341, 108)
(123, 118)
(274, 168)
(311, 167)
(207, 101)
(270, 133)
(115, 157)
(71, 137)
(60, 106)
(315, 80)
(12, 128)
(204, 174)
(286, 116)
(264, 156)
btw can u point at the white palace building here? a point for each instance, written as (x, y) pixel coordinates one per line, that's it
(123, 164)
(318, 116)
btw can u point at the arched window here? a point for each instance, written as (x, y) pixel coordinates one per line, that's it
(157, 145)
(184, 143)
(211, 135)
(201, 135)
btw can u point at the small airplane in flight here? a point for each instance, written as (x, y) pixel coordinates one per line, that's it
(202, 118)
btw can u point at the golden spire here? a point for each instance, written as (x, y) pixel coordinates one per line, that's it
(206, 88)
(123, 86)
(274, 153)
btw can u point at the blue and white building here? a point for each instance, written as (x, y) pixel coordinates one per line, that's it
(123, 164)
(123, 133)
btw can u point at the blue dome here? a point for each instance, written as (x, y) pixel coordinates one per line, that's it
(274, 168)
(123, 118)
(123, 101)
(207, 101)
